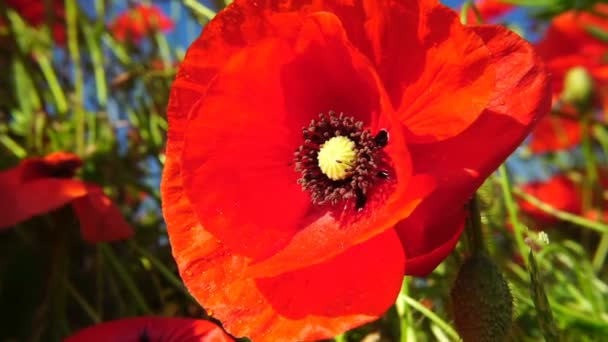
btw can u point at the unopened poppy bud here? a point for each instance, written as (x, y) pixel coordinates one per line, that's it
(578, 86)
(481, 300)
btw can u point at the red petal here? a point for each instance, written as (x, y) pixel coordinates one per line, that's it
(559, 191)
(100, 219)
(553, 134)
(454, 76)
(238, 157)
(520, 98)
(33, 188)
(426, 245)
(152, 329)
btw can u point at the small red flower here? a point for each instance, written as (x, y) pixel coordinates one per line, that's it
(35, 13)
(568, 44)
(39, 185)
(137, 22)
(416, 111)
(554, 133)
(559, 191)
(152, 329)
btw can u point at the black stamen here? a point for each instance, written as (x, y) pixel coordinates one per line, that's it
(367, 168)
(382, 174)
(361, 199)
(143, 336)
(381, 138)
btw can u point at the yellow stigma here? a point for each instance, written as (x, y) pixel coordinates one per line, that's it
(336, 157)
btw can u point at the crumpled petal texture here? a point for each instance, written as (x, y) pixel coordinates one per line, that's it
(249, 245)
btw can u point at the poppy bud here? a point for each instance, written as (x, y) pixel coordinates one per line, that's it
(578, 86)
(481, 300)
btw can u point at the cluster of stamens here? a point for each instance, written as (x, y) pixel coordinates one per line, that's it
(345, 180)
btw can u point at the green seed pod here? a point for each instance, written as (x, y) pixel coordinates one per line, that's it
(481, 301)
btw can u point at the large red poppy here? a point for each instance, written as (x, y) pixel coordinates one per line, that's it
(137, 22)
(154, 329)
(39, 185)
(250, 244)
(35, 13)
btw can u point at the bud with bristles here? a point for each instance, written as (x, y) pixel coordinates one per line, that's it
(481, 301)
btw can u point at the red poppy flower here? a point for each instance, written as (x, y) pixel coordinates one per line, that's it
(39, 185)
(34, 12)
(558, 191)
(277, 260)
(489, 9)
(554, 133)
(152, 329)
(137, 22)
(567, 44)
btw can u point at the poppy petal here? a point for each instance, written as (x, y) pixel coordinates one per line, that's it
(453, 82)
(559, 191)
(31, 188)
(553, 134)
(100, 219)
(152, 329)
(238, 160)
(256, 308)
(520, 98)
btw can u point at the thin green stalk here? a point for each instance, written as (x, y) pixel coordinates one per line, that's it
(590, 165)
(92, 41)
(464, 12)
(602, 249)
(50, 76)
(541, 303)
(562, 215)
(12, 146)
(430, 315)
(406, 319)
(126, 279)
(512, 211)
(86, 307)
(473, 230)
(169, 276)
(199, 9)
(71, 11)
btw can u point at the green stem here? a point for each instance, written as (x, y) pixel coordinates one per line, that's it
(164, 271)
(431, 316)
(86, 307)
(71, 11)
(464, 12)
(473, 230)
(562, 215)
(405, 315)
(199, 9)
(512, 211)
(48, 72)
(12, 146)
(126, 278)
(590, 168)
